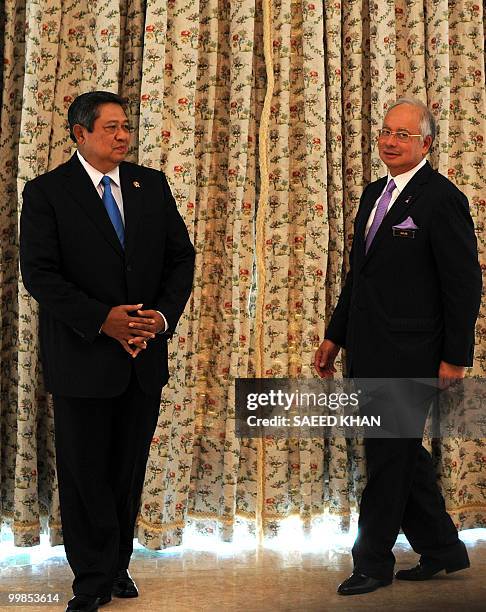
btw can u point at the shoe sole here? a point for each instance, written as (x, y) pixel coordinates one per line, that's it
(448, 570)
(451, 570)
(104, 600)
(421, 579)
(363, 591)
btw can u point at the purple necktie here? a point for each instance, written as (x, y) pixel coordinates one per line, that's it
(381, 210)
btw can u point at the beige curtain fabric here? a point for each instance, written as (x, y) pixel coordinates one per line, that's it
(262, 113)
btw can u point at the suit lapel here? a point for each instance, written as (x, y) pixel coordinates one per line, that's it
(400, 206)
(132, 191)
(82, 190)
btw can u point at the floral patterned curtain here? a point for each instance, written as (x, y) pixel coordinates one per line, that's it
(262, 113)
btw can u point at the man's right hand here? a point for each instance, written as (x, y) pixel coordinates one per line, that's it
(324, 359)
(135, 345)
(116, 326)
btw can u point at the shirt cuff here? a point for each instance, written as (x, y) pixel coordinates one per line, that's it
(165, 323)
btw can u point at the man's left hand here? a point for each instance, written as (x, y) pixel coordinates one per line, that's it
(448, 373)
(154, 322)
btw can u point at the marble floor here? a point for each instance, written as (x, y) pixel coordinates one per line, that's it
(250, 580)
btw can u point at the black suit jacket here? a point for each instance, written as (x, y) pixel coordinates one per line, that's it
(72, 263)
(411, 302)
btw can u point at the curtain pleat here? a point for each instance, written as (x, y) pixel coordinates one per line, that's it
(263, 114)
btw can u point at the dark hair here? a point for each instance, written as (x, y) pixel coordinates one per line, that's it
(84, 110)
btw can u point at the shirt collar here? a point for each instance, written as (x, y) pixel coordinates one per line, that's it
(401, 180)
(96, 176)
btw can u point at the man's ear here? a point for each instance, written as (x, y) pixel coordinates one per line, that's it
(427, 144)
(78, 132)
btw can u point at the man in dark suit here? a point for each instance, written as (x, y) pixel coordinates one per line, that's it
(407, 309)
(107, 256)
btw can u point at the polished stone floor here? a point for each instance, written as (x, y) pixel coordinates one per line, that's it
(225, 578)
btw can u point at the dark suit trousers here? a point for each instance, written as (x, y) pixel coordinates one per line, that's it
(402, 492)
(102, 447)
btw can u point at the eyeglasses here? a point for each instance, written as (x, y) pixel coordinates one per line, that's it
(401, 135)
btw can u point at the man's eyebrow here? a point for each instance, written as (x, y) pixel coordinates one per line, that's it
(400, 129)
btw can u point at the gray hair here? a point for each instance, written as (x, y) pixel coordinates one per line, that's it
(427, 120)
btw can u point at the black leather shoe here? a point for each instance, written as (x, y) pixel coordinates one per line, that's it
(104, 599)
(426, 571)
(359, 583)
(123, 585)
(83, 603)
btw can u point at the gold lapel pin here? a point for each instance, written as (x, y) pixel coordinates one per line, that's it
(136, 184)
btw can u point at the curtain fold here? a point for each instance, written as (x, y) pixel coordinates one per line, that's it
(263, 115)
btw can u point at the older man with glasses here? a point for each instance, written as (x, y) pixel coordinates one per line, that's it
(407, 310)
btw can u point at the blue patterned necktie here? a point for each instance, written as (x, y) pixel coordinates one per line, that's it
(380, 213)
(113, 210)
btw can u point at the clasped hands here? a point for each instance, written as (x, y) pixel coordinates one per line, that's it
(133, 332)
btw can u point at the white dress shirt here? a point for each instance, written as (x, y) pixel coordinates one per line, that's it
(401, 181)
(96, 176)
